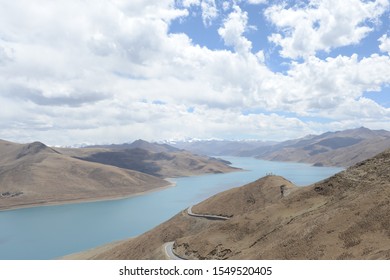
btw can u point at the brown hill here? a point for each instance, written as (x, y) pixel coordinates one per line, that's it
(35, 174)
(153, 159)
(346, 216)
(340, 148)
(140, 144)
(224, 147)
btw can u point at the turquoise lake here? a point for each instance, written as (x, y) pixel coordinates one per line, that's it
(49, 232)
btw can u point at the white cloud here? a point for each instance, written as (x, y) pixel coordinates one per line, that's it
(260, 56)
(322, 25)
(226, 5)
(189, 3)
(334, 88)
(233, 29)
(142, 120)
(209, 11)
(256, 2)
(101, 45)
(6, 54)
(110, 71)
(385, 43)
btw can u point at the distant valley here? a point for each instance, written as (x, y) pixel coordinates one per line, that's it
(340, 148)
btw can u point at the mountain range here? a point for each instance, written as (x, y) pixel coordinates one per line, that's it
(340, 148)
(35, 174)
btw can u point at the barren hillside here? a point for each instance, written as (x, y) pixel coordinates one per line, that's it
(340, 148)
(34, 174)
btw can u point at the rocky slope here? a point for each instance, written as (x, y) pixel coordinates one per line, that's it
(346, 216)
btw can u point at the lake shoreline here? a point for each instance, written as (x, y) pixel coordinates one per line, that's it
(170, 184)
(85, 200)
(90, 253)
(124, 196)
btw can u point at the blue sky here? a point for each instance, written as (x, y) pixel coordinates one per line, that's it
(259, 29)
(115, 71)
(207, 34)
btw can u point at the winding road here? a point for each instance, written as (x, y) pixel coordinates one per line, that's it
(210, 217)
(168, 247)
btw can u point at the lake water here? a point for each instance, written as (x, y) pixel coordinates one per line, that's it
(49, 232)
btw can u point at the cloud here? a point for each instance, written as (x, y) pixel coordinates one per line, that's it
(91, 72)
(5, 55)
(189, 3)
(142, 120)
(256, 2)
(101, 45)
(327, 87)
(209, 11)
(233, 29)
(384, 44)
(322, 25)
(72, 99)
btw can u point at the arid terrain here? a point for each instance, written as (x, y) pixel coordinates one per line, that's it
(34, 174)
(346, 216)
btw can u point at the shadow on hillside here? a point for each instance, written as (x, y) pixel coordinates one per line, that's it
(134, 159)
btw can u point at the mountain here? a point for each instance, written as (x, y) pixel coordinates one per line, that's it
(155, 159)
(341, 148)
(34, 174)
(140, 144)
(222, 147)
(346, 216)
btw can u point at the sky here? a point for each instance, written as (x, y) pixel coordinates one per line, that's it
(113, 71)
